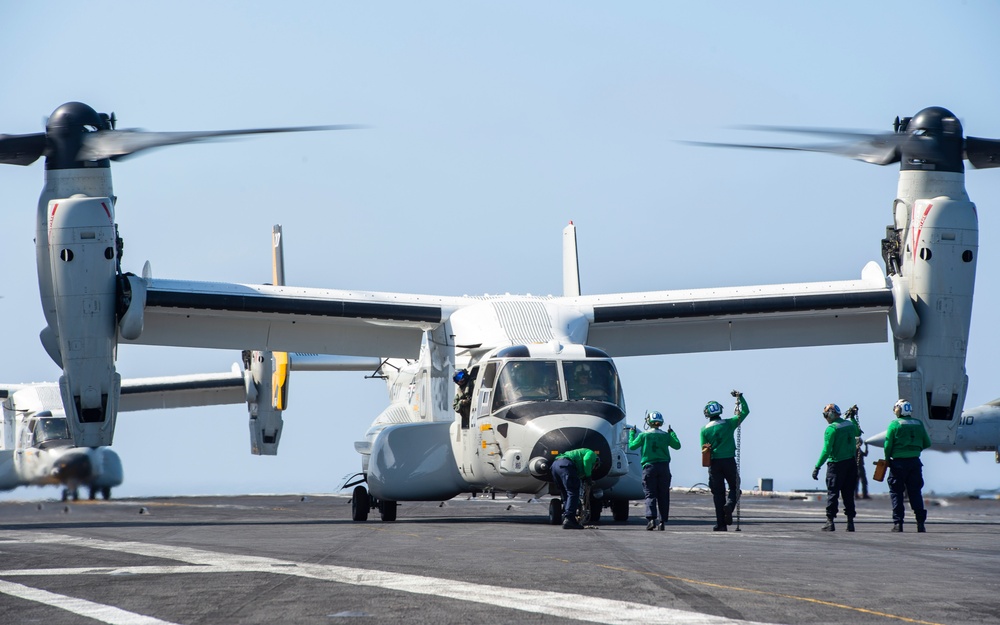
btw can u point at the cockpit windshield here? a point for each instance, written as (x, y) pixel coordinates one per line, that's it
(50, 428)
(527, 380)
(572, 380)
(591, 380)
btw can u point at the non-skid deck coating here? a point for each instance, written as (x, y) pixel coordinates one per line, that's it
(293, 559)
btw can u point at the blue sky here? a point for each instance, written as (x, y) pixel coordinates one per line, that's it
(491, 126)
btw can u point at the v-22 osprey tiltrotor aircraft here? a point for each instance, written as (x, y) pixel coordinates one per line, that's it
(37, 448)
(528, 356)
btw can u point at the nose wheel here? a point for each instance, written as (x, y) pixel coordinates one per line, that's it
(361, 503)
(555, 511)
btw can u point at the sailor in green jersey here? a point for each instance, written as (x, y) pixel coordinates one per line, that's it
(904, 440)
(568, 469)
(839, 448)
(718, 435)
(655, 445)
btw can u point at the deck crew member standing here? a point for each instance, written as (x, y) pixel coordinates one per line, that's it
(839, 447)
(655, 445)
(718, 435)
(904, 440)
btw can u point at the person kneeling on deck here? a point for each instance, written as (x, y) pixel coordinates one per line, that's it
(568, 469)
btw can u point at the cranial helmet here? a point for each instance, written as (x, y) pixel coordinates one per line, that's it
(461, 376)
(903, 408)
(713, 409)
(831, 411)
(654, 418)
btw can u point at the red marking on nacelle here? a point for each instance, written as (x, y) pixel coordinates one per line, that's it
(919, 228)
(106, 211)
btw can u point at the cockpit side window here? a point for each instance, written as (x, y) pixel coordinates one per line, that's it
(50, 428)
(592, 380)
(527, 380)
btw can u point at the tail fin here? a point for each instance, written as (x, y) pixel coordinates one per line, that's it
(571, 263)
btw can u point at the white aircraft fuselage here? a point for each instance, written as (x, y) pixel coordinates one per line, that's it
(37, 449)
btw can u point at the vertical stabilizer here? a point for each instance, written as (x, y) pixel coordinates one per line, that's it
(571, 263)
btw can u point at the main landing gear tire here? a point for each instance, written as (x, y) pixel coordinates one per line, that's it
(361, 503)
(619, 510)
(555, 511)
(388, 510)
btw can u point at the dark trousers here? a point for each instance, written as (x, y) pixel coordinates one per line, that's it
(906, 474)
(568, 481)
(723, 471)
(841, 480)
(656, 487)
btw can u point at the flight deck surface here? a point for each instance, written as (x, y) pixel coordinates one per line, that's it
(294, 559)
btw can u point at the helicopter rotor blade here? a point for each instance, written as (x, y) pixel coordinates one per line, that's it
(119, 145)
(874, 152)
(21, 149)
(982, 153)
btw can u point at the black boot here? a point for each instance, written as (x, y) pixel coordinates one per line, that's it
(897, 527)
(651, 525)
(829, 526)
(850, 525)
(920, 527)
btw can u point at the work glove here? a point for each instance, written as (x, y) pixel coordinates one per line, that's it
(670, 429)
(816, 473)
(735, 393)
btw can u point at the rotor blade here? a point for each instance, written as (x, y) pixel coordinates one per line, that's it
(21, 149)
(120, 144)
(868, 152)
(982, 153)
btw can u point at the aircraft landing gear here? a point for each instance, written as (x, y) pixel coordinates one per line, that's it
(555, 511)
(619, 510)
(106, 493)
(361, 503)
(387, 510)
(70, 493)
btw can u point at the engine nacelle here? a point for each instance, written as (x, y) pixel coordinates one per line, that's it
(938, 261)
(265, 418)
(82, 257)
(414, 462)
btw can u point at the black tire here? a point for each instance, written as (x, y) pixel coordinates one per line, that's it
(361, 503)
(619, 510)
(555, 511)
(93, 493)
(106, 492)
(388, 510)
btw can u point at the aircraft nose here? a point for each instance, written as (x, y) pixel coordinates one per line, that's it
(555, 442)
(74, 467)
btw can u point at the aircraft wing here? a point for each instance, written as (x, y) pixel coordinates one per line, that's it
(753, 317)
(294, 319)
(178, 391)
(182, 391)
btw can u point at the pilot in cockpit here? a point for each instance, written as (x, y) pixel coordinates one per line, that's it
(50, 428)
(583, 386)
